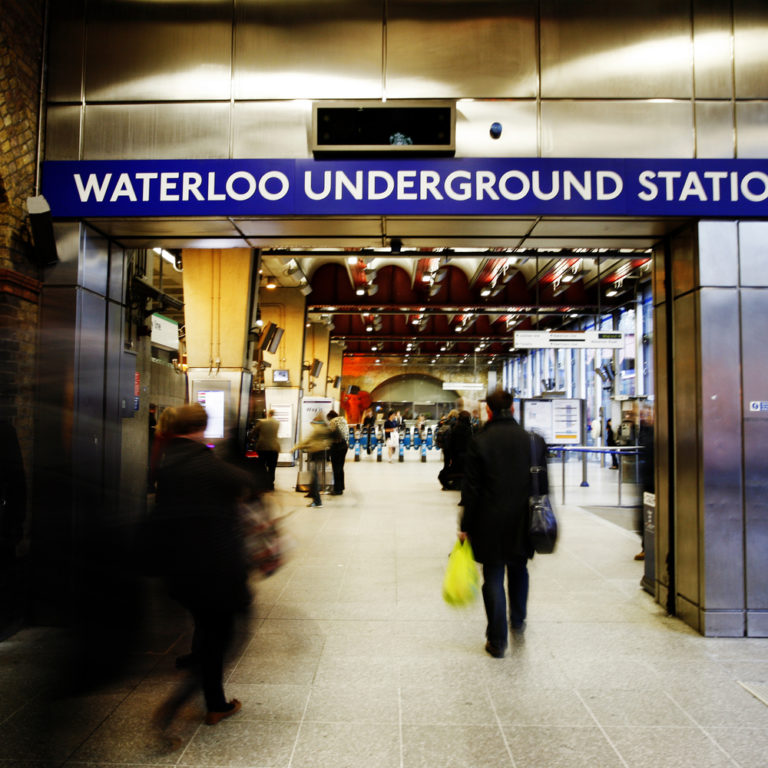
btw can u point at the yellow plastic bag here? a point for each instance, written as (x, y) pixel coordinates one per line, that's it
(461, 583)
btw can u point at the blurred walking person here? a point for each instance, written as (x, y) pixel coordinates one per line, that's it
(201, 557)
(339, 446)
(495, 492)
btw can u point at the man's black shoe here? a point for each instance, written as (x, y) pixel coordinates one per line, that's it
(493, 650)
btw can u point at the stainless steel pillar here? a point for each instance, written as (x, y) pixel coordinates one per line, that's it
(711, 438)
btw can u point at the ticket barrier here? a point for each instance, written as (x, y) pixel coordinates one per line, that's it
(416, 437)
(401, 452)
(378, 452)
(357, 451)
(429, 439)
(424, 452)
(406, 441)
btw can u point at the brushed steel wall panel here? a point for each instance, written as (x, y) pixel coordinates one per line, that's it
(149, 131)
(116, 273)
(754, 319)
(272, 129)
(66, 270)
(616, 129)
(295, 49)
(753, 253)
(712, 49)
(750, 29)
(62, 133)
(664, 474)
(718, 253)
(659, 274)
(519, 121)
(94, 266)
(605, 49)
(481, 48)
(88, 432)
(720, 439)
(148, 51)
(66, 43)
(715, 129)
(683, 262)
(688, 533)
(751, 119)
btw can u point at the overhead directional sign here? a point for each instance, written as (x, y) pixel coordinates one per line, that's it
(569, 339)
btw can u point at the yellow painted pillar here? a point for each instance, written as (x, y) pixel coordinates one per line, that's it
(217, 285)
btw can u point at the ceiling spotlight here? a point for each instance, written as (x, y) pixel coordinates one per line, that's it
(369, 328)
(485, 292)
(271, 284)
(360, 292)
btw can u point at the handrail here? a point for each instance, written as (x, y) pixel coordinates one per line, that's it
(629, 450)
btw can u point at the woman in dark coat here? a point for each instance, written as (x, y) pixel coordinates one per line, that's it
(201, 555)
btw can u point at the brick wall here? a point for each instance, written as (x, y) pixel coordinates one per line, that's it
(20, 64)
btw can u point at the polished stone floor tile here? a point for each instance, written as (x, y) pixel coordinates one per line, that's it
(354, 703)
(560, 747)
(347, 745)
(670, 747)
(450, 746)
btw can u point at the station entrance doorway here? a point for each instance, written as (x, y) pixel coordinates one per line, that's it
(410, 287)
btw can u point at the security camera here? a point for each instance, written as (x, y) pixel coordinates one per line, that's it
(495, 131)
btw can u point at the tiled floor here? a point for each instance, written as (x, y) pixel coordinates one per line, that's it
(353, 659)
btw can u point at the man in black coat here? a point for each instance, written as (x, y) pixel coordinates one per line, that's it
(495, 491)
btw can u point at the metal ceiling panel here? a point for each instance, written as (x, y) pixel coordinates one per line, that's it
(715, 129)
(62, 133)
(599, 228)
(272, 129)
(438, 49)
(605, 49)
(158, 51)
(167, 227)
(617, 129)
(712, 49)
(297, 49)
(751, 119)
(292, 241)
(322, 228)
(519, 122)
(149, 131)
(590, 242)
(457, 227)
(184, 242)
(750, 30)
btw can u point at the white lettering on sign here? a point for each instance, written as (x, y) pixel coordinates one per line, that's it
(752, 186)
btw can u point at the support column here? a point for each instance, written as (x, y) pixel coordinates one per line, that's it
(717, 535)
(217, 288)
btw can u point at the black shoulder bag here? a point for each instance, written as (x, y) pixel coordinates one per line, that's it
(542, 529)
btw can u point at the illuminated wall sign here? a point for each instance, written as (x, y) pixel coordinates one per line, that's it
(473, 386)
(446, 186)
(569, 339)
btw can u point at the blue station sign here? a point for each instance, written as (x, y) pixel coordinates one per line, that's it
(417, 187)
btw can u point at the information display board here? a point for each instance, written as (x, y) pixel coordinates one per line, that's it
(559, 421)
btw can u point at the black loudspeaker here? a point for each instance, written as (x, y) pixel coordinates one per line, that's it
(41, 224)
(354, 389)
(267, 334)
(317, 366)
(275, 341)
(336, 382)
